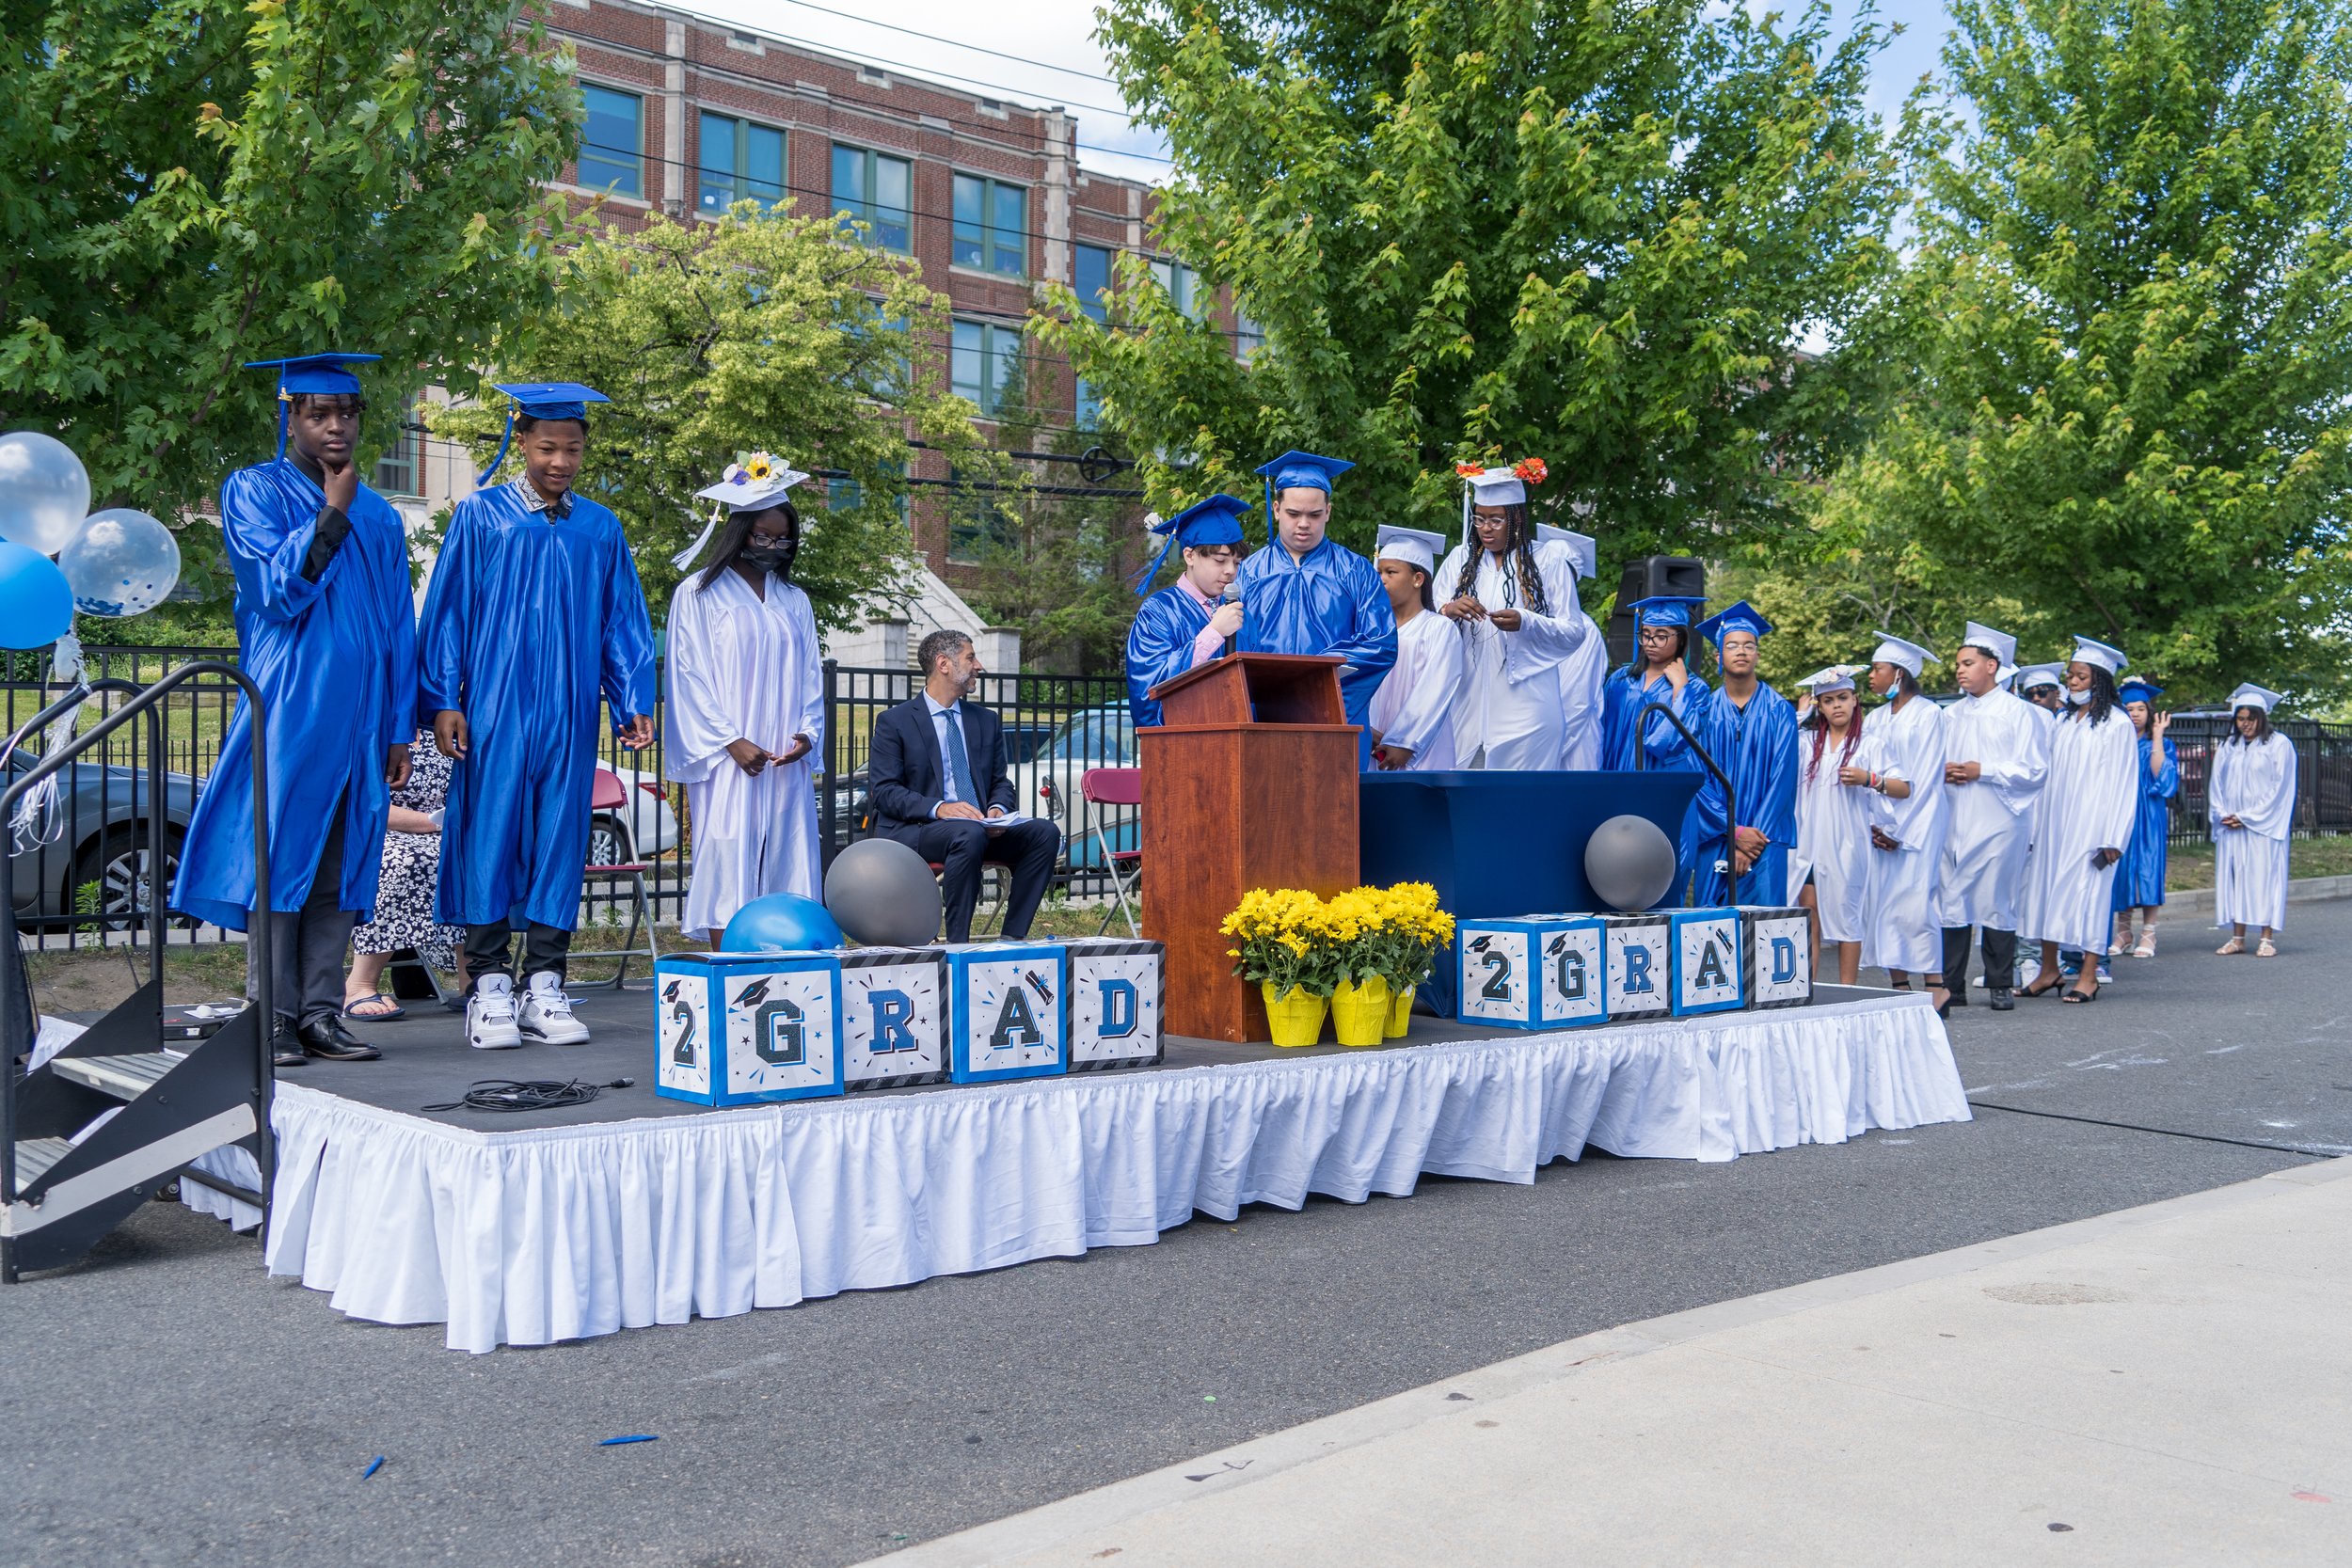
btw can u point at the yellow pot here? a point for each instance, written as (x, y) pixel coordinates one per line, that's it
(1400, 1012)
(1359, 1013)
(1295, 1018)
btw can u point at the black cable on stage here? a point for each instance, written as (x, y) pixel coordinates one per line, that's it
(2305, 1150)
(529, 1094)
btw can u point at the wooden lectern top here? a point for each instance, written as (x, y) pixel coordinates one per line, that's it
(1255, 688)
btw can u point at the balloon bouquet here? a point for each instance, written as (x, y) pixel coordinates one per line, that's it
(113, 563)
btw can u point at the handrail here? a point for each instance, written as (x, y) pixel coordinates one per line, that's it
(1731, 804)
(15, 1022)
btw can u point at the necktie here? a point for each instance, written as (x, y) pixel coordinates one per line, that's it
(958, 764)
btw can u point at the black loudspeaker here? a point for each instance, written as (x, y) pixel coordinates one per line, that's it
(1650, 578)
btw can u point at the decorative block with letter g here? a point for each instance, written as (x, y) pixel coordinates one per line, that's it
(740, 1028)
(1118, 996)
(1007, 1010)
(1640, 969)
(1535, 972)
(1706, 960)
(893, 1016)
(1779, 945)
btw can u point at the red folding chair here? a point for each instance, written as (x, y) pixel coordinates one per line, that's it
(611, 795)
(1116, 786)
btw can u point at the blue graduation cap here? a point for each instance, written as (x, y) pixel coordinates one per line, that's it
(1295, 468)
(311, 376)
(1739, 617)
(539, 400)
(2136, 690)
(1213, 521)
(1666, 609)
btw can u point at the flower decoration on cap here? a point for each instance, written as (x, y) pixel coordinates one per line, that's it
(1531, 469)
(759, 466)
(1469, 470)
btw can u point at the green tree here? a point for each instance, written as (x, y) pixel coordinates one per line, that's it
(762, 332)
(187, 184)
(1593, 232)
(2131, 307)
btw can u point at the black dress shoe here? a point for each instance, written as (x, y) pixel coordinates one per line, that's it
(2001, 1001)
(327, 1038)
(286, 1044)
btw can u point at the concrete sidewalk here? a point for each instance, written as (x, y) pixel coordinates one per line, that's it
(2166, 1385)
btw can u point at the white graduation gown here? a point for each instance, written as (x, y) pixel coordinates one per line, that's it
(743, 668)
(2090, 803)
(2255, 784)
(1511, 685)
(1414, 708)
(1899, 919)
(1580, 676)
(1834, 831)
(1992, 819)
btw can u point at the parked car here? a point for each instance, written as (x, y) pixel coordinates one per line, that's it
(1047, 785)
(646, 827)
(95, 864)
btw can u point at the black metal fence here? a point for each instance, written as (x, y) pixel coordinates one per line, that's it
(2323, 797)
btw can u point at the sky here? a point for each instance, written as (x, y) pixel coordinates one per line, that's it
(1045, 54)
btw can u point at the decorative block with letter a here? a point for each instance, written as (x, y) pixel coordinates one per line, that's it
(893, 1016)
(1118, 996)
(1779, 957)
(740, 1028)
(1006, 1010)
(1537, 972)
(1639, 967)
(1707, 961)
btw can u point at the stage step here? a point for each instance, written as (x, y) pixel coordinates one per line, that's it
(34, 1156)
(124, 1077)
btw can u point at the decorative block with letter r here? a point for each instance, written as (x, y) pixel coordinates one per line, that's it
(1706, 960)
(740, 1028)
(893, 1016)
(1118, 996)
(1779, 945)
(1535, 971)
(1639, 967)
(1007, 1010)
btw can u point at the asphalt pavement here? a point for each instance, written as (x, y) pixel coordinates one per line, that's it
(170, 1405)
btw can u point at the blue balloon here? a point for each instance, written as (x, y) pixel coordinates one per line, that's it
(36, 606)
(781, 922)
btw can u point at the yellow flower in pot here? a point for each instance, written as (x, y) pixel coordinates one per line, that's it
(1281, 945)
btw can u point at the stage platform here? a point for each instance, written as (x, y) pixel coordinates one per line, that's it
(539, 1226)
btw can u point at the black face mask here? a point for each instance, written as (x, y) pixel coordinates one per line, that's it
(772, 558)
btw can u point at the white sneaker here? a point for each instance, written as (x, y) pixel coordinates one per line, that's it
(547, 1013)
(490, 1015)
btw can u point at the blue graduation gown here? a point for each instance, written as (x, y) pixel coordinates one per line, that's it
(528, 622)
(1622, 697)
(1757, 746)
(1159, 647)
(336, 661)
(1331, 603)
(2139, 875)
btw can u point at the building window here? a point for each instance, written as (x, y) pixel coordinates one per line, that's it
(1249, 337)
(612, 148)
(982, 361)
(1182, 285)
(1089, 412)
(396, 470)
(741, 162)
(980, 527)
(843, 494)
(890, 381)
(992, 226)
(875, 189)
(1092, 274)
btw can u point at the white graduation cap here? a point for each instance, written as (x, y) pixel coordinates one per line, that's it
(2007, 673)
(1496, 486)
(755, 485)
(2251, 695)
(1582, 547)
(2090, 651)
(1412, 545)
(1837, 677)
(2002, 646)
(2034, 675)
(1903, 653)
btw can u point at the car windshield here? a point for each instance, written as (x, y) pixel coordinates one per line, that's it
(1099, 737)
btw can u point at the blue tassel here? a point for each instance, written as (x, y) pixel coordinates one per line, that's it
(1143, 581)
(374, 1465)
(641, 1437)
(504, 441)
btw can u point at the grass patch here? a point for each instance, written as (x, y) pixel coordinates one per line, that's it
(2329, 855)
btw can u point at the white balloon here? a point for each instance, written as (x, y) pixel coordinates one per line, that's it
(122, 563)
(44, 491)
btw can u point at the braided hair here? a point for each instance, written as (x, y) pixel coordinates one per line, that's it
(1821, 733)
(1519, 550)
(2103, 696)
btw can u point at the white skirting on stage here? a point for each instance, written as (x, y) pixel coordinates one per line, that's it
(531, 1237)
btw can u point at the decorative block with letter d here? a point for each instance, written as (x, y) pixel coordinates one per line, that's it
(1118, 996)
(1639, 969)
(1535, 972)
(1007, 1010)
(739, 1028)
(1779, 945)
(893, 1016)
(1706, 961)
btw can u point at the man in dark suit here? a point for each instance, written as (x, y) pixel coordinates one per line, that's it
(936, 778)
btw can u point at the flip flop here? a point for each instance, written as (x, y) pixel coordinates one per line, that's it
(381, 1015)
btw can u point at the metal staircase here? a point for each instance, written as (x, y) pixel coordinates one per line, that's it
(67, 1179)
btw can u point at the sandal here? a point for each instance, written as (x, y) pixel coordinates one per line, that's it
(2043, 985)
(2070, 994)
(2266, 950)
(375, 1007)
(2234, 945)
(2147, 948)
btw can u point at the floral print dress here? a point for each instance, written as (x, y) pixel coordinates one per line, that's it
(412, 866)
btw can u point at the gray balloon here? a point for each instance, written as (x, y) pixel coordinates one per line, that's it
(882, 894)
(1629, 863)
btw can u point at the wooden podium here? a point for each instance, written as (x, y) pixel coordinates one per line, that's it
(1250, 781)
